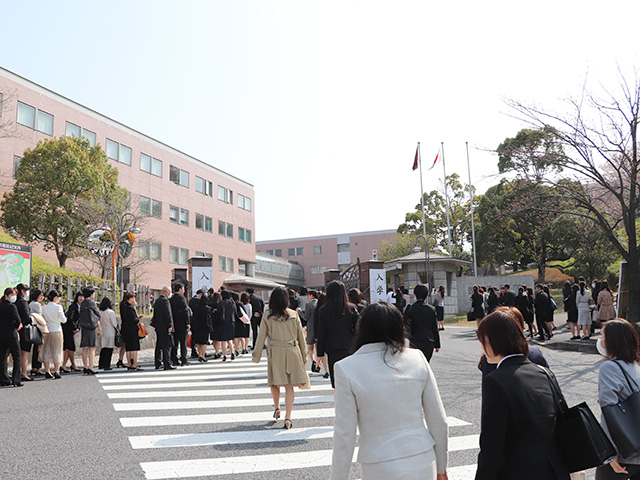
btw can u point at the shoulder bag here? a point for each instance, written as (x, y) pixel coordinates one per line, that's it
(32, 335)
(580, 438)
(142, 330)
(623, 421)
(118, 342)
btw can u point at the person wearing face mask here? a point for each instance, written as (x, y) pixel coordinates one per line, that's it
(9, 342)
(22, 305)
(619, 344)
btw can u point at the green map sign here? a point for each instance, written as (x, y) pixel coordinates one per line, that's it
(15, 265)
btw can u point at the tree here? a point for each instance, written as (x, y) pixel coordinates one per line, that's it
(436, 215)
(512, 229)
(60, 185)
(599, 136)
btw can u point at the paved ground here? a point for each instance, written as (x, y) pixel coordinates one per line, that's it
(214, 420)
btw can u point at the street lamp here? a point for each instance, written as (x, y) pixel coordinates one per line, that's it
(115, 237)
(416, 249)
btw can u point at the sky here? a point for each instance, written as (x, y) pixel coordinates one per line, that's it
(320, 105)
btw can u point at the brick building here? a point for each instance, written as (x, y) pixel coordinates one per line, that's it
(192, 208)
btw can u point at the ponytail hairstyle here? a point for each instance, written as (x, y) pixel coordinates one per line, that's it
(582, 285)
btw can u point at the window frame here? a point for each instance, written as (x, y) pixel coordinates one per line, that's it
(173, 170)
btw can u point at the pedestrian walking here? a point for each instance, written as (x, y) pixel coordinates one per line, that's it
(201, 326)
(224, 325)
(572, 312)
(421, 324)
(541, 306)
(89, 320)
(336, 324)
(438, 302)
(606, 310)
(130, 336)
(409, 444)
(518, 409)
(257, 306)
(162, 321)
(286, 356)
(182, 325)
(69, 330)
(584, 312)
(10, 323)
(477, 304)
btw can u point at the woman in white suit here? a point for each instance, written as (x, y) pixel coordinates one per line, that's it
(370, 384)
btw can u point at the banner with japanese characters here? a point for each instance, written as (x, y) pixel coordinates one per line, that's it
(378, 285)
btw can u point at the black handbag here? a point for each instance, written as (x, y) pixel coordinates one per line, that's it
(118, 342)
(623, 421)
(209, 322)
(32, 335)
(580, 438)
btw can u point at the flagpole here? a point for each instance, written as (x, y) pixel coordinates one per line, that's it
(473, 228)
(446, 196)
(424, 224)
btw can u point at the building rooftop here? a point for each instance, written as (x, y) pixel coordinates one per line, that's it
(320, 237)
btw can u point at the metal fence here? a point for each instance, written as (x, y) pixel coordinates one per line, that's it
(68, 286)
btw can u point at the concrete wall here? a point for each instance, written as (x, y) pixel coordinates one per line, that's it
(465, 287)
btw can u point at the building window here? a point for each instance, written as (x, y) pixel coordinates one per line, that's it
(150, 251)
(269, 252)
(277, 252)
(204, 186)
(204, 223)
(225, 229)
(225, 195)
(244, 202)
(178, 255)
(291, 252)
(244, 234)
(178, 176)
(33, 118)
(150, 165)
(118, 152)
(45, 122)
(150, 207)
(317, 250)
(318, 270)
(225, 264)
(178, 215)
(204, 255)
(26, 115)
(300, 251)
(16, 164)
(343, 248)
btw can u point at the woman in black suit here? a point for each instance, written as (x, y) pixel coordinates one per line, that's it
(518, 410)
(130, 320)
(336, 324)
(9, 341)
(25, 317)
(200, 327)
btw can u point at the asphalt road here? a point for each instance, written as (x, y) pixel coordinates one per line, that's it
(72, 429)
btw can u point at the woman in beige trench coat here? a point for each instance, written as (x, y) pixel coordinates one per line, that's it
(286, 351)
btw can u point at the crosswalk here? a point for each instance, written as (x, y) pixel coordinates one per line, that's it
(214, 420)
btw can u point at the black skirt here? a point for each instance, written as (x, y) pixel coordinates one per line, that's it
(241, 331)
(199, 336)
(68, 340)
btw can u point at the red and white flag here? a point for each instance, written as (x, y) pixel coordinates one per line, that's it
(415, 161)
(435, 161)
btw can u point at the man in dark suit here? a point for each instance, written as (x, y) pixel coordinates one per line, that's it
(182, 324)
(192, 305)
(162, 321)
(421, 322)
(257, 305)
(541, 305)
(508, 298)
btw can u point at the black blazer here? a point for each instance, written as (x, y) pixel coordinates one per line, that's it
(73, 318)
(422, 325)
(257, 306)
(23, 310)
(335, 333)
(518, 420)
(179, 311)
(130, 321)
(9, 319)
(541, 304)
(162, 317)
(508, 299)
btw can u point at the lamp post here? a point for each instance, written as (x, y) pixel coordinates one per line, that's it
(115, 237)
(416, 249)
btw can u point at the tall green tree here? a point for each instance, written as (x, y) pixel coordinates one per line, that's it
(61, 187)
(436, 215)
(598, 132)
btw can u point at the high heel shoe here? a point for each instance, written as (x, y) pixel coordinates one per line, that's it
(120, 364)
(85, 371)
(287, 424)
(313, 366)
(47, 375)
(24, 378)
(276, 413)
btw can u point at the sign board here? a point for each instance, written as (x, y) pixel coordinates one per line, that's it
(15, 265)
(378, 285)
(201, 278)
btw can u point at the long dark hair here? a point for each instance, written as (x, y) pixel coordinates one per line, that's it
(278, 302)
(316, 312)
(336, 302)
(125, 298)
(380, 322)
(582, 285)
(34, 295)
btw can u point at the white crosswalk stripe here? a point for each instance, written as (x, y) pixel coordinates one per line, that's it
(234, 403)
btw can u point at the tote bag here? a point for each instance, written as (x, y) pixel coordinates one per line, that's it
(580, 438)
(623, 421)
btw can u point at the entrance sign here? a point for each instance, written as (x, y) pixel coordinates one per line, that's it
(378, 285)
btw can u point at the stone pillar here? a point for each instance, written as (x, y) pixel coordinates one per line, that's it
(330, 276)
(365, 278)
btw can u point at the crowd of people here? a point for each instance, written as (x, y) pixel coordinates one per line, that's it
(377, 357)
